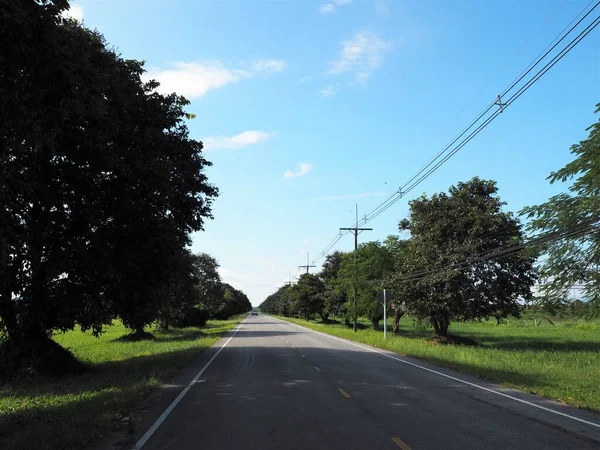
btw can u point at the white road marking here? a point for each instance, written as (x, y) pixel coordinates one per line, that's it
(139, 444)
(468, 383)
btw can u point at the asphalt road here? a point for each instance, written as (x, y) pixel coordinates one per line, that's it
(276, 385)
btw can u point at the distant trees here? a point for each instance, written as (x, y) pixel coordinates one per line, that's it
(447, 270)
(307, 296)
(448, 234)
(334, 297)
(278, 302)
(199, 294)
(572, 220)
(101, 186)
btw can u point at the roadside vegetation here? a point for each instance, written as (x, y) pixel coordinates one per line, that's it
(71, 411)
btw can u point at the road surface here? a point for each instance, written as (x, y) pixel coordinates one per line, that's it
(275, 385)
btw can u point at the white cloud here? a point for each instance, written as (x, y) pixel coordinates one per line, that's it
(193, 80)
(75, 11)
(328, 91)
(352, 197)
(303, 169)
(360, 55)
(268, 66)
(304, 80)
(328, 8)
(250, 137)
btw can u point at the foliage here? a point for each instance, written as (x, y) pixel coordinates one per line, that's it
(278, 302)
(198, 294)
(400, 293)
(366, 270)
(573, 259)
(233, 302)
(448, 232)
(101, 183)
(307, 296)
(334, 298)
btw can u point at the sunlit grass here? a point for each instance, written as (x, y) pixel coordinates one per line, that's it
(560, 362)
(69, 412)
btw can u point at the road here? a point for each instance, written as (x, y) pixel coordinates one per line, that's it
(276, 385)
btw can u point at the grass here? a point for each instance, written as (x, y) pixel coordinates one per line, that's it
(559, 362)
(69, 412)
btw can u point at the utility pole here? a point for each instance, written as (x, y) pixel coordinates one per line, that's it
(355, 231)
(307, 266)
(289, 283)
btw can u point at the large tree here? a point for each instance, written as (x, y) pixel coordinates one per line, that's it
(454, 274)
(101, 183)
(572, 219)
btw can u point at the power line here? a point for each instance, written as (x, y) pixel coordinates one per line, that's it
(501, 252)
(432, 166)
(416, 180)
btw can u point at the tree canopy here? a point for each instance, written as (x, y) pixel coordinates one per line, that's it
(449, 234)
(574, 217)
(102, 184)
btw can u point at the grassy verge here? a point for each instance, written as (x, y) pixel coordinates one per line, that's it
(559, 362)
(69, 412)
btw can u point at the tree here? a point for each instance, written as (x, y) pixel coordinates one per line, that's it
(101, 183)
(209, 285)
(278, 302)
(574, 216)
(367, 273)
(334, 298)
(234, 302)
(448, 233)
(180, 294)
(48, 215)
(308, 296)
(401, 291)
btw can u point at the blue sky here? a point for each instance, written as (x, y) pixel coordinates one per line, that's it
(308, 107)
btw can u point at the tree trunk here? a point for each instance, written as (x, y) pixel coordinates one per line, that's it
(397, 316)
(9, 316)
(436, 325)
(440, 322)
(444, 324)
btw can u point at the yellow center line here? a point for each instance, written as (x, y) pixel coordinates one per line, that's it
(400, 443)
(344, 393)
(317, 368)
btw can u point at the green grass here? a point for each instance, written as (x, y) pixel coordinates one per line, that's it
(560, 362)
(45, 413)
